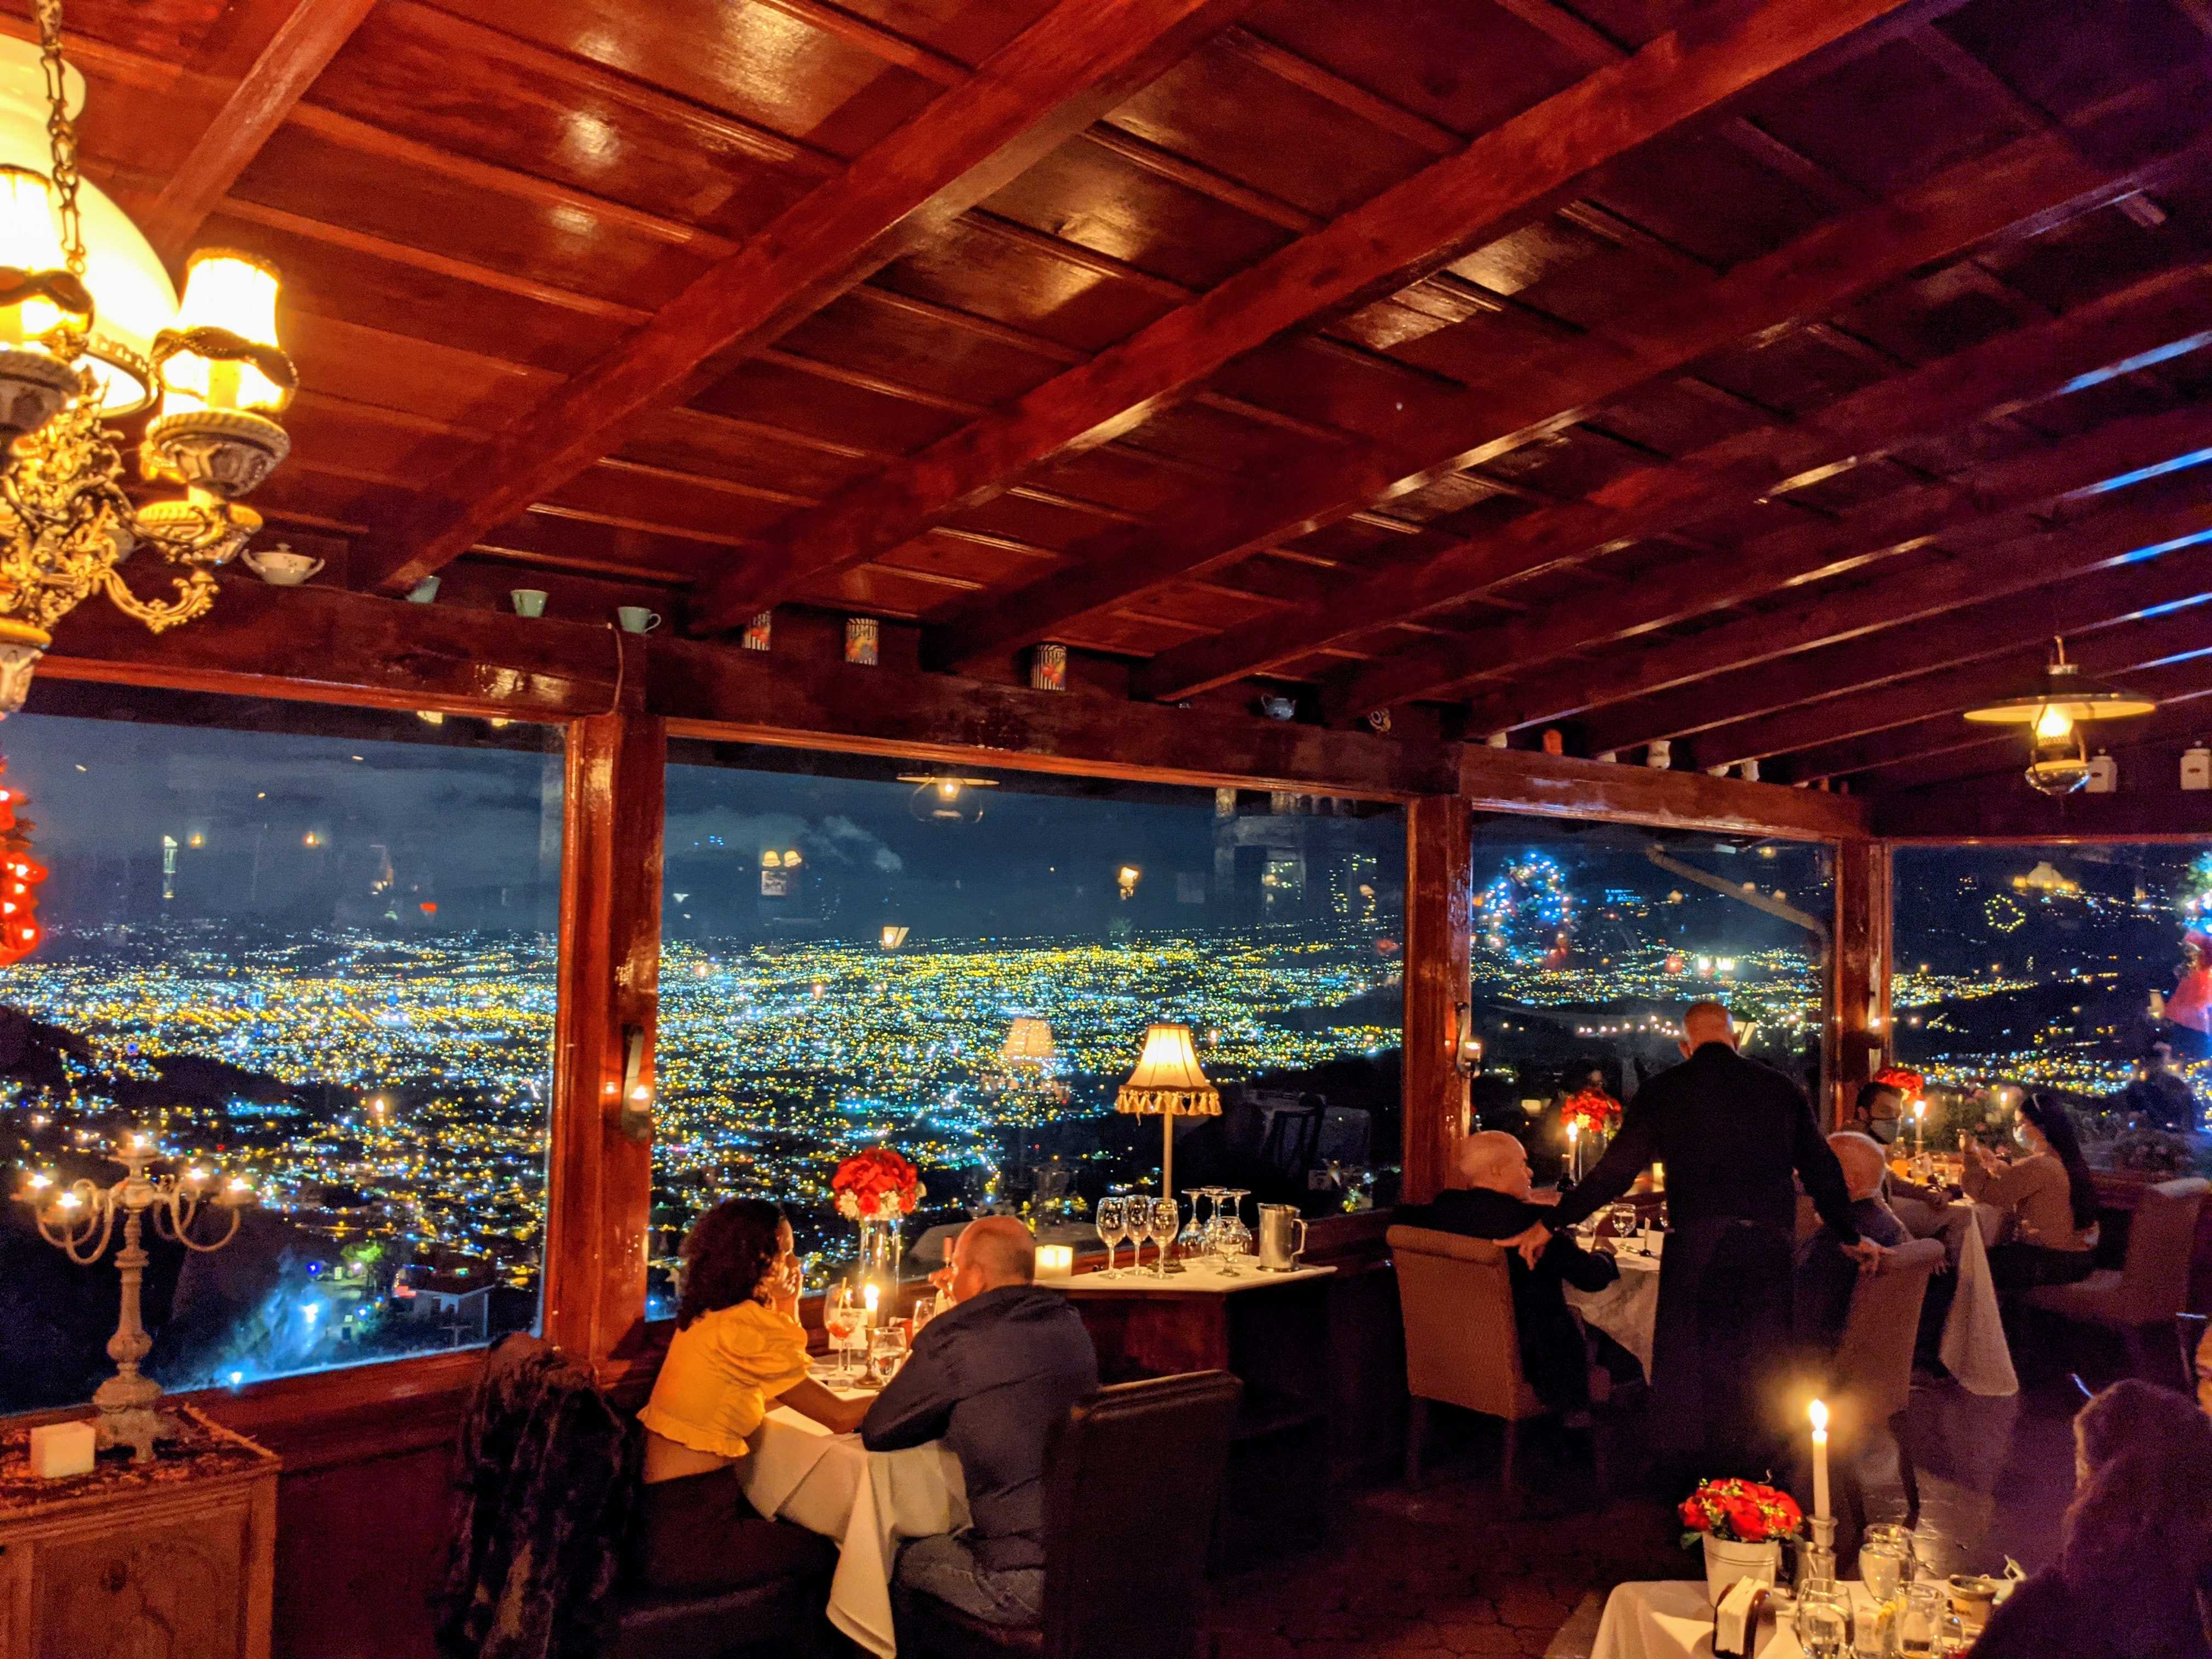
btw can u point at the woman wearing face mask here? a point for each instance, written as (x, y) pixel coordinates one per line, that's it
(2047, 1194)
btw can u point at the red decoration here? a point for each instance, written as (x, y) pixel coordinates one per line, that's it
(1594, 1111)
(1741, 1511)
(19, 873)
(1903, 1078)
(876, 1182)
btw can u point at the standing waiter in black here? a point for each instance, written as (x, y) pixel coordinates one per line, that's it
(1730, 1131)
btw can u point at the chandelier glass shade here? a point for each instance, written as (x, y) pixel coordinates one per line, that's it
(91, 330)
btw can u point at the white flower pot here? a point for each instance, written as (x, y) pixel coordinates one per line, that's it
(1726, 1561)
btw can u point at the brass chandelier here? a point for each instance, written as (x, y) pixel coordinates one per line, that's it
(212, 376)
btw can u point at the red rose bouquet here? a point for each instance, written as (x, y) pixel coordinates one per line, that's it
(1906, 1081)
(1739, 1511)
(876, 1184)
(1593, 1111)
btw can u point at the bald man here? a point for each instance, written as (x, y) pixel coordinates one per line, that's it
(1826, 1275)
(1489, 1198)
(1731, 1133)
(990, 1377)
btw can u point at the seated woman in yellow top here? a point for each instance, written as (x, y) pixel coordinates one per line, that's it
(2048, 1193)
(738, 1351)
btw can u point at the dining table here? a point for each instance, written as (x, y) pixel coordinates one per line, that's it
(868, 1502)
(1972, 1346)
(1627, 1310)
(1673, 1618)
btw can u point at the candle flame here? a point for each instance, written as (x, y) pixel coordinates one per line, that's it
(1819, 1417)
(869, 1297)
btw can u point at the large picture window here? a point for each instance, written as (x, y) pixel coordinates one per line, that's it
(1588, 941)
(962, 965)
(2085, 970)
(310, 949)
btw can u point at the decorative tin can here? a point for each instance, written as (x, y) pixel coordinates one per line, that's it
(862, 634)
(1049, 668)
(759, 630)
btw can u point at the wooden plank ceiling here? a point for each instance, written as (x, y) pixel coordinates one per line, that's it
(1772, 377)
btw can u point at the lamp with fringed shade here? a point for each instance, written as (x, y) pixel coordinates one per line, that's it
(1168, 1081)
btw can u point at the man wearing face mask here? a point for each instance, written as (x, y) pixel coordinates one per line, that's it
(1879, 1112)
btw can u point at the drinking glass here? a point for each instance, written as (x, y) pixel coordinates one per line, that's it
(1920, 1627)
(1824, 1618)
(1621, 1221)
(841, 1319)
(1239, 1235)
(1198, 1236)
(1167, 1222)
(1886, 1561)
(1112, 1219)
(887, 1346)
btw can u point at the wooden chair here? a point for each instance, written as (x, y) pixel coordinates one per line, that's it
(1462, 1345)
(1133, 1479)
(2151, 1286)
(1873, 1371)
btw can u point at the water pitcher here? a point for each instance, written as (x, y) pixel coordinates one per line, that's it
(1282, 1237)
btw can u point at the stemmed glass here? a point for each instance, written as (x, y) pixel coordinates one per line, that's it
(1112, 1219)
(1232, 1228)
(841, 1319)
(1167, 1222)
(1138, 1210)
(887, 1346)
(1198, 1237)
(1886, 1561)
(1622, 1220)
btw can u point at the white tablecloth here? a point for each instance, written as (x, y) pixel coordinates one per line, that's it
(1627, 1310)
(1973, 1347)
(866, 1501)
(1673, 1618)
(1196, 1276)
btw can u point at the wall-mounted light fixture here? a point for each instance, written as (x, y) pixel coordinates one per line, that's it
(1466, 1046)
(636, 1092)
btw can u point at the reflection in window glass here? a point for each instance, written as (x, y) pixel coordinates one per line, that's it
(2081, 969)
(962, 966)
(321, 963)
(1588, 941)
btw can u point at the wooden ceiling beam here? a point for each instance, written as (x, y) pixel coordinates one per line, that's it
(2017, 566)
(1805, 686)
(1464, 199)
(2122, 651)
(1769, 460)
(1850, 255)
(2021, 189)
(1050, 82)
(303, 46)
(2145, 808)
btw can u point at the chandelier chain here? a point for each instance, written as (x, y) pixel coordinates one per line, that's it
(61, 132)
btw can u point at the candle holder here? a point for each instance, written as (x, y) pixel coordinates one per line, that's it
(1816, 1557)
(79, 1220)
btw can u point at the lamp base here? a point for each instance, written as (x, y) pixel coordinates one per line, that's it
(127, 1417)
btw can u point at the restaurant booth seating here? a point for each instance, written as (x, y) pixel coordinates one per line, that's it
(1462, 1347)
(1872, 1378)
(2151, 1286)
(1133, 1479)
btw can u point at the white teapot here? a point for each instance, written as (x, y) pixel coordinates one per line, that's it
(279, 566)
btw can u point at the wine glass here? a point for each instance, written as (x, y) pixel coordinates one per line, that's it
(1198, 1236)
(1824, 1618)
(1112, 1220)
(1229, 1239)
(1886, 1561)
(1620, 1220)
(841, 1319)
(1138, 1211)
(1167, 1222)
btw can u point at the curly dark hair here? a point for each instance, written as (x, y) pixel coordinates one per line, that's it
(725, 1253)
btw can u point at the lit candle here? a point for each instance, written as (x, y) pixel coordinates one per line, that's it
(1820, 1460)
(1056, 1261)
(869, 1296)
(1658, 1176)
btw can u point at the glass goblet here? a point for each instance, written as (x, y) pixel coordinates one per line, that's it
(840, 1321)
(1167, 1222)
(887, 1349)
(1111, 1217)
(1139, 1210)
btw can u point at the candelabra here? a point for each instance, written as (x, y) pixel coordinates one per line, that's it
(79, 1220)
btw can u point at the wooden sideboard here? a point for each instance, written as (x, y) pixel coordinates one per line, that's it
(176, 1557)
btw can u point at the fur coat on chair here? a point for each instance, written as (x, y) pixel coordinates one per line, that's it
(545, 1489)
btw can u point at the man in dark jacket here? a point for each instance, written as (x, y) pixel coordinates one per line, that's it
(1491, 1200)
(989, 1378)
(1730, 1132)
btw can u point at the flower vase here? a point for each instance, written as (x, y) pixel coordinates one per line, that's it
(879, 1253)
(1726, 1560)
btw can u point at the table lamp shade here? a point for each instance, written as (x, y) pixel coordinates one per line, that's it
(1168, 1079)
